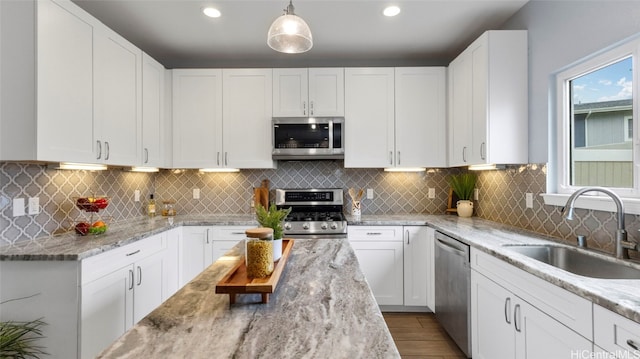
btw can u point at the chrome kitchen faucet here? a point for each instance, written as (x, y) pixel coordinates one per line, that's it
(622, 245)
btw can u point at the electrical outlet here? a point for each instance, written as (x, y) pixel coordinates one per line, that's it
(369, 193)
(476, 194)
(136, 195)
(34, 205)
(528, 198)
(196, 193)
(432, 193)
(18, 207)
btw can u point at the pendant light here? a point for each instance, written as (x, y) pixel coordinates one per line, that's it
(289, 33)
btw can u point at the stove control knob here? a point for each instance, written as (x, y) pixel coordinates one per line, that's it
(305, 226)
(287, 226)
(334, 226)
(323, 226)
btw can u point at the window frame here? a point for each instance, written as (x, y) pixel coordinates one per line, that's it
(564, 115)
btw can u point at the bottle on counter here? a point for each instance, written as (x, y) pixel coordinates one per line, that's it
(151, 206)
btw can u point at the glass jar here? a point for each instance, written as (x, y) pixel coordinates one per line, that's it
(167, 208)
(258, 250)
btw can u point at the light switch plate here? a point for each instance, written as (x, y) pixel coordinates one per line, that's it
(528, 200)
(369, 193)
(34, 205)
(196, 193)
(18, 207)
(432, 193)
(136, 195)
(476, 194)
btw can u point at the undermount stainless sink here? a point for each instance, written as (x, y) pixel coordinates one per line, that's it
(577, 262)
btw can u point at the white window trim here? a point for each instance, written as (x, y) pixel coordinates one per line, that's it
(592, 200)
(626, 127)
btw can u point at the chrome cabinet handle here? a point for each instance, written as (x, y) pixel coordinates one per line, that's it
(398, 158)
(106, 148)
(218, 158)
(408, 237)
(304, 108)
(146, 155)
(139, 275)
(391, 157)
(226, 159)
(99, 149)
(516, 317)
(373, 233)
(207, 235)
(130, 279)
(311, 108)
(132, 253)
(507, 310)
(242, 233)
(464, 154)
(632, 344)
(483, 151)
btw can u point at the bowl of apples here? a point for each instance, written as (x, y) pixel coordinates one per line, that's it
(92, 204)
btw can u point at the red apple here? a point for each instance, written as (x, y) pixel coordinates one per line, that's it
(82, 228)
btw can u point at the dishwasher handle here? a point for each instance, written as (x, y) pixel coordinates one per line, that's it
(451, 245)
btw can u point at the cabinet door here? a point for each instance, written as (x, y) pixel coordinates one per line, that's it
(492, 332)
(247, 118)
(172, 255)
(417, 263)
(369, 109)
(479, 54)
(326, 92)
(150, 282)
(106, 310)
(420, 117)
(290, 93)
(540, 336)
(117, 99)
(431, 268)
(381, 263)
(152, 112)
(64, 85)
(197, 118)
(195, 252)
(460, 110)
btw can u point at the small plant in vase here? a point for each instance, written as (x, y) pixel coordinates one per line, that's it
(273, 218)
(463, 185)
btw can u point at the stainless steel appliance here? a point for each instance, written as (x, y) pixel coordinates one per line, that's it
(300, 138)
(315, 213)
(453, 289)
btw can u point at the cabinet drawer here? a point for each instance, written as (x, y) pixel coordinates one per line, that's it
(616, 333)
(229, 233)
(375, 233)
(105, 263)
(569, 309)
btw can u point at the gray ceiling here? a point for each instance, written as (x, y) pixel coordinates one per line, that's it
(345, 33)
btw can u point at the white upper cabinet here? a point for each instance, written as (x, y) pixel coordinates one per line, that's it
(420, 117)
(305, 92)
(197, 118)
(246, 113)
(153, 112)
(488, 113)
(74, 84)
(395, 117)
(117, 99)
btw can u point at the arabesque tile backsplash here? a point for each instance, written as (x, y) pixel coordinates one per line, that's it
(501, 196)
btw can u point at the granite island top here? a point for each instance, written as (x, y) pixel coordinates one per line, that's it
(322, 308)
(620, 296)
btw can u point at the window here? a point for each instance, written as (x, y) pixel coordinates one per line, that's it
(596, 123)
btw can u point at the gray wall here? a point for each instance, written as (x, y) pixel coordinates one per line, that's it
(561, 33)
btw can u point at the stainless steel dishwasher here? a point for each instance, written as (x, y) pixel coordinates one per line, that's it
(453, 289)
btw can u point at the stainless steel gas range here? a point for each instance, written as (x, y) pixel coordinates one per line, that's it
(315, 213)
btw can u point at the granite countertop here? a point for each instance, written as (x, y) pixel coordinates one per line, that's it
(322, 308)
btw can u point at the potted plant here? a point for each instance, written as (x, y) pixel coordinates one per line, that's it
(463, 185)
(273, 218)
(19, 339)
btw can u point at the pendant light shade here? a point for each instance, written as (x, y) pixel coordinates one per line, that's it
(289, 33)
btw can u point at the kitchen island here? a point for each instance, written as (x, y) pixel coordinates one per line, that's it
(322, 308)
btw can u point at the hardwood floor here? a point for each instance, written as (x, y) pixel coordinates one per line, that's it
(419, 336)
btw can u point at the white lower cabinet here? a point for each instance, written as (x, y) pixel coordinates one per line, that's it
(119, 288)
(225, 238)
(615, 334)
(516, 315)
(397, 262)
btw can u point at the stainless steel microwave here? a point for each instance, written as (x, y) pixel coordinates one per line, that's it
(308, 138)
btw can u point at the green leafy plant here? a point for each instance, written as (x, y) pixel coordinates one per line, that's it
(272, 218)
(18, 339)
(463, 185)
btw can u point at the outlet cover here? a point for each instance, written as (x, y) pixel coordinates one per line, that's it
(136, 195)
(34, 205)
(528, 200)
(432, 193)
(196, 193)
(369, 193)
(18, 207)
(475, 194)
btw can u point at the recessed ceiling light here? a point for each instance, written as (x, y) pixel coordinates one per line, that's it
(391, 11)
(211, 12)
